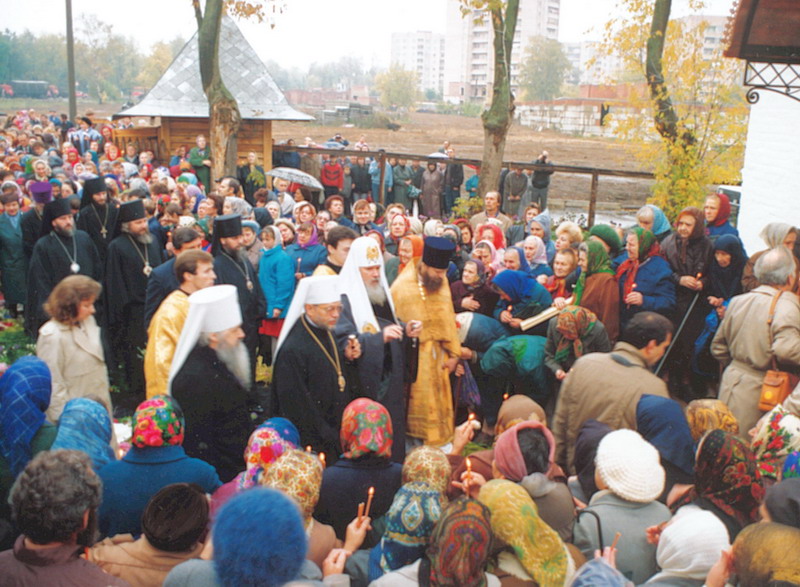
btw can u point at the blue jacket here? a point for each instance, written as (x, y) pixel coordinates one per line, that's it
(724, 228)
(130, 483)
(375, 174)
(309, 258)
(160, 284)
(276, 274)
(654, 282)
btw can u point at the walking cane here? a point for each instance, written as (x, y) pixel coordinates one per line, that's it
(677, 333)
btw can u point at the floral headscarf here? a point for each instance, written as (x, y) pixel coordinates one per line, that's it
(460, 545)
(597, 261)
(285, 428)
(727, 475)
(428, 465)
(299, 475)
(409, 522)
(518, 408)
(778, 436)
(263, 448)
(710, 414)
(648, 247)
(791, 466)
(158, 422)
(574, 323)
(516, 521)
(366, 430)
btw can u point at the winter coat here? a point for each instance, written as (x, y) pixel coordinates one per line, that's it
(654, 282)
(276, 274)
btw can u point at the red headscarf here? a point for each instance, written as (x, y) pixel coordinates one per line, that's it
(724, 210)
(498, 240)
(417, 245)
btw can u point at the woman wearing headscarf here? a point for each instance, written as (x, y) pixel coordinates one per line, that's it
(409, 250)
(704, 415)
(652, 218)
(758, 556)
(276, 275)
(433, 227)
(306, 252)
(266, 444)
(457, 553)
(583, 485)
(399, 227)
(466, 234)
(717, 212)
(514, 259)
(596, 289)
(492, 233)
(473, 292)
(156, 459)
(409, 522)
(645, 278)
(661, 422)
(540, 226)
(536, 256)
(782, 503)
(561, 283)
(520, 297)
(487, 254)
(366, 437)
(776, 436)
(428, 465)
(85, 425)
(727, 481)
(575, 331)
(774, 235)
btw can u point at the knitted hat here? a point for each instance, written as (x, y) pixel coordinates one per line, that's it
(608, 235)
(630, 466)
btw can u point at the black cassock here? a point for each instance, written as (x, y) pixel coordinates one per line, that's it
(125, 288)
(306, 390)
(214, 405)
(92, 219)
(251, 301)
(381, 369)
(50, 263)
(31, 225)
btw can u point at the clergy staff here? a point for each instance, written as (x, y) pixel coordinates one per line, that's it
(210, 378)
(97, 216)
(131, 257)
(62, 250)
(368, 314)
(31, 221)
(233, 267)
(311, 379)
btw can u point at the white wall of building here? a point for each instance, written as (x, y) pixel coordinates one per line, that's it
(770, 178)
(423, 52)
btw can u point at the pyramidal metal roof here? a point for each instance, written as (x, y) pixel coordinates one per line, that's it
(179, 92)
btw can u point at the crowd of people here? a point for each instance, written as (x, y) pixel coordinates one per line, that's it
(322, 390)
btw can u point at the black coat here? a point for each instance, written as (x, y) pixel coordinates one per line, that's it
(214, 405)
(92, 219)
(162, 282)
(125, 281)
(31, 225)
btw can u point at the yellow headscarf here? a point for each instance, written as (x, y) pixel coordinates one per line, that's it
(299, 475)
(710, 414)
(762, 553)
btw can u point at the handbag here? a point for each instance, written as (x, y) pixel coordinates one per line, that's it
(777, 385)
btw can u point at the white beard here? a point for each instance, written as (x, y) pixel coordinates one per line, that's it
(376, 294)
(237, 360)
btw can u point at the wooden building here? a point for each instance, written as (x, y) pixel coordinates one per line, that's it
(175, 110)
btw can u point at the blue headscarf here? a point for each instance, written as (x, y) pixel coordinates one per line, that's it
(662, 423)
(543, 220)
(726, 282)
(660, 223)
(598, 573)
(524, 266)
(24, 397)
(284, 428)
(515, 284)
(86, 426)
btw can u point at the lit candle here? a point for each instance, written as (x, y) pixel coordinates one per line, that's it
(470, 417)
(505, 396)
(322, 459)
(469, 470)
(370, 495)
(308, 448)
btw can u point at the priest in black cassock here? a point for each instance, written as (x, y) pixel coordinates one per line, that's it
(131, 257)
(61, 251)
(210, 378)
(233, 267)
(311, 381)
(31, 221)
(97, 216)
(368, 314)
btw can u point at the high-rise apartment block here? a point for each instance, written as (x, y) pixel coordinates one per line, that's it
(423, 52)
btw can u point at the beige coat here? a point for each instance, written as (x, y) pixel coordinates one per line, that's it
(742, 343)
(77, 363)
(604, 387)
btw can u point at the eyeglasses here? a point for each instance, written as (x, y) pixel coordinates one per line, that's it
(329, 309)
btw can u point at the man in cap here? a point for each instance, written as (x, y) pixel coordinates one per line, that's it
(31, 221)
(131, 257)
(61, 251)
(194, 269)
(13, 263)
(97, 216)
(368, 314)
(210, 378)
(232, 266)
(422, 293)
(310, 382)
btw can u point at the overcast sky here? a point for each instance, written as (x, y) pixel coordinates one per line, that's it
(309, 30)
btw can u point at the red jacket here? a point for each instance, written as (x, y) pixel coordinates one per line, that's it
(332, 175)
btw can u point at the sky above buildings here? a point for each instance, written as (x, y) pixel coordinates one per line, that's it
(309, 30)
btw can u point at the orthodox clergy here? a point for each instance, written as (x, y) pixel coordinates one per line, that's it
(194, 270)
(210, 378)
(131, 257)
(233, 267)
(368, 313)
(421, 293)
(62, 250)
(309, 383)
(97, 216)
(13, 262)
(31, 221)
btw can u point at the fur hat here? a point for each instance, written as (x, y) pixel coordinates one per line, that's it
(630, 466)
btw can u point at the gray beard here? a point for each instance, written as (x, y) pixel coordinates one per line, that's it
(145, 238)
(65, 232)
(376, 294)
(237, 360)
(238, 255)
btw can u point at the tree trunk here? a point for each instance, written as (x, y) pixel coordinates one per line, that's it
(498, 117)
(223, 111)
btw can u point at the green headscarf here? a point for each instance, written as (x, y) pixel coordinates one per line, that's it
(597, 262)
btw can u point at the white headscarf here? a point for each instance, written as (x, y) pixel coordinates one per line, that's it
(212, 309)
(364, 252)
(317, 289)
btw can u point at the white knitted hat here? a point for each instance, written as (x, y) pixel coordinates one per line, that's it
(630, 466)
